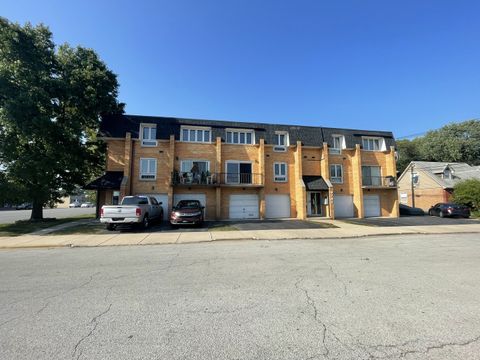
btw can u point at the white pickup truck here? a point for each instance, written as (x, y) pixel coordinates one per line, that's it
(134, 210)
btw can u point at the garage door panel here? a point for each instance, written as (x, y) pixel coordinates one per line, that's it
(200, 197)
(243, 207)
(343, 205)
(371, 205)
(162, 198)
(277, 206)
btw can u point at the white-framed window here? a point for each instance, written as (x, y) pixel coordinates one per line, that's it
(280, 172)
(196, 134)
(235, 136)
(281, 138)
(415, 179)
(148, 169)
(371, 175)
(373, 143)
(238, 172)
(338, 144)
(148, 134)
(336, 173)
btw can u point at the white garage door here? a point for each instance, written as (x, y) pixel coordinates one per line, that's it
(343, 205)
(243, 207)
(200, 197)
(371, 205)
(277, 206)
(163, 198)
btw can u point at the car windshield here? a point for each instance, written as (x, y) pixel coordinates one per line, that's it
(188, 204)
(135, 200)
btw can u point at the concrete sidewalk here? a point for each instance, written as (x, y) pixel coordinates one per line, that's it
(344, 230)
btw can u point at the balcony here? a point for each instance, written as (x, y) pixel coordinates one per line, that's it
(217, 179)
(388, 182)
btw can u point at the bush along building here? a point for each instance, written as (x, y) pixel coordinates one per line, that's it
(244, 170)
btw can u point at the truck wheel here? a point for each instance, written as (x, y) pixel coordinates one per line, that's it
(145, 222)
(110, 227)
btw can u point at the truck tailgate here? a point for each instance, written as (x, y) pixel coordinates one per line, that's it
(120, 211)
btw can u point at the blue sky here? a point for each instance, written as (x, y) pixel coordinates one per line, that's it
(405, 66)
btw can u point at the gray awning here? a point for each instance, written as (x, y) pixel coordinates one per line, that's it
(110, 180)
(315, 183)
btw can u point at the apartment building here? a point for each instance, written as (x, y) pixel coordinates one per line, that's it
(243, 170)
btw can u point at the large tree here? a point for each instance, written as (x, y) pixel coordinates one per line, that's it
(456, 142)
(51, 100)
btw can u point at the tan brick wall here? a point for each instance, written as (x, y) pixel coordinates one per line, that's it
(241, 153)
(279, 188)
(161, 152)
(115, 155)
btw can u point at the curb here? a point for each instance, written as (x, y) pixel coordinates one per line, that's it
(32, 246)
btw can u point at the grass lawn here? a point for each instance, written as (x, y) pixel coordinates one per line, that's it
(222, 227)
(22, 227)
(93, 228)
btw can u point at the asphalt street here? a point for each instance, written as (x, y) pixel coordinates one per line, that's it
(402, 297)
(10, 216)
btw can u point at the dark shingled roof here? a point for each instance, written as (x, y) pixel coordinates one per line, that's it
(314, 183)
(109, 180)
(117, 126)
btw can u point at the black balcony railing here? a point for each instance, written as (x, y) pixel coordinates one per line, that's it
(379, 181)
(216, 179)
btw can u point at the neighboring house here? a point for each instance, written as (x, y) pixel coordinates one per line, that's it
(433, 182)
(249, 170)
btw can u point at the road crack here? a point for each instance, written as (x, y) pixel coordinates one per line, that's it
(94, 321)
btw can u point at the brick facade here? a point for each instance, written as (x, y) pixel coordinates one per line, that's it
(125, 154)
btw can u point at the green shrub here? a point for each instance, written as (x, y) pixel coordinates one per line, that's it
(468, 193)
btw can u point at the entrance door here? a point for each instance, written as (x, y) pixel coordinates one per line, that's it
(314, 204)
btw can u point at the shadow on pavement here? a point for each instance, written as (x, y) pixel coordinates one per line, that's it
(412, 221)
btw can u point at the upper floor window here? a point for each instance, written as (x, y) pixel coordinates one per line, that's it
(338, 144)
(447, 173)
(195, 134)
(373, 143)
(148, 135)
(148, 169)
(336, 173)
(281, 138)
(240, 136)
(415, 179)
(280, 172)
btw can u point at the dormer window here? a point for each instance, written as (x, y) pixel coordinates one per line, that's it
(338, 144)
(148, 134)
(196, 134)
(235, 136)
(373, 143)
(447, 173)
(281, 141)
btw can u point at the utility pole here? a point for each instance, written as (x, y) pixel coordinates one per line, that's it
(413, 186)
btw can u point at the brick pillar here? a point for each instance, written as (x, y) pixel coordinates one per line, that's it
(325, 172)
(218, 203)
(300, 191)
(391, 164)
(357, 181)
(171, 168)
(261, 166)
(218, 160)
(125, 188)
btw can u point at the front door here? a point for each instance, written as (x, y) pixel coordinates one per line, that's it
(314, 204)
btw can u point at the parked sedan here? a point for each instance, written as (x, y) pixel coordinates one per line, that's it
(449, 209)
(187, 212)
(24, 206)
(87, 205)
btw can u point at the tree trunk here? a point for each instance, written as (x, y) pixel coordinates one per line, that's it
(37, 211)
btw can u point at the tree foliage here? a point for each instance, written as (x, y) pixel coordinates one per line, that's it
(457, 142)
(468, 193)
(51, 100)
